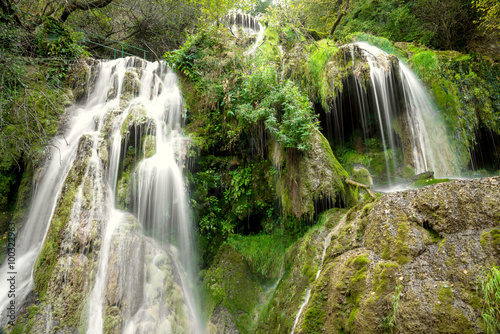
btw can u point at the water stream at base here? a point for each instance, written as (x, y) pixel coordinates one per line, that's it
(152, 278)
(326, 243)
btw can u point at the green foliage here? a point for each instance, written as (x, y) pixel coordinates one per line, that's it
(490, 289)
(226, 199)
(57, 40)
(256, 99)
(389, 322)
(264, 253)
(286, 112)
(378, 41)
(390, 19)
(489, 20)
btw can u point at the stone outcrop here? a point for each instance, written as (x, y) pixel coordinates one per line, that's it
(407, 262)
(311, 177)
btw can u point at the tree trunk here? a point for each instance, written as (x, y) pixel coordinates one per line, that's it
(340, 15)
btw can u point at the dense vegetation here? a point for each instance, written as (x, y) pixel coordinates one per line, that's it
(254, 120)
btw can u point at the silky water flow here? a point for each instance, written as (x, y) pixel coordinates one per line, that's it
(135, 266)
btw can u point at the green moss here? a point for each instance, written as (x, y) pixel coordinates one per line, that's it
(384, 278)
(123, 191)
(47, 257)
(491, 237)
(312, 176)
(450, 320)
(427, 182)
(401, 253)
(263, 253)
(357, 281)
(441, 244)
(314, 315)
(490, 241)
(434, 235)
(149, 145)
(361, 175)
(19, 328)
(320, 87)
(301, 264)
(228, 283)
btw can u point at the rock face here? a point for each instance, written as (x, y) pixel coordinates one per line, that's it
(430, 243)
(312, 177)
(82, 77)
(231, 293)
(408, 262)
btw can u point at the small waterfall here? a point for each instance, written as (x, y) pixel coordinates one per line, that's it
(136, 268)
(326, 243)
(250, 26)
(382, 98)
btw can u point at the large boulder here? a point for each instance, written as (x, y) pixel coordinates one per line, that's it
(311, 177)
(408, 262)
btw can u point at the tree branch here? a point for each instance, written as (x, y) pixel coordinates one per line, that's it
(83, 5)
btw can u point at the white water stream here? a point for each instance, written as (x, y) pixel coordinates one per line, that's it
(326, 243)
(394, 102)
(431, 149)
(146, 264)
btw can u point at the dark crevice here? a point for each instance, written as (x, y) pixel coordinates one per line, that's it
(326, 203)
(435, 236)
(486, 153)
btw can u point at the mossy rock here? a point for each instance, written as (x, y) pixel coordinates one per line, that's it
(131, 85)
(490, 241)
(229, 284)
(427, 244)
(302, 261)
(81, 78)
(361, 175)
(312, 176)
(427, 182)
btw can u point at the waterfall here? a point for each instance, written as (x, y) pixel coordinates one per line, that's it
(382, 98)
(135, 268)
(249, 25)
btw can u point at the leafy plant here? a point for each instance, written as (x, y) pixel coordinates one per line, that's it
(490, 290)
(57, 40)
(389, 323)
(285, 111)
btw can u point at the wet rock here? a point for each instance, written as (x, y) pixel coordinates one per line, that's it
(410, 257)
(423, 176)
(312, 176)
(131, 85)
(81, 78)
(221, 323)
(361, 175)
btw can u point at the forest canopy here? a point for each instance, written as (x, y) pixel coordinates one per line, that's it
(163, 25)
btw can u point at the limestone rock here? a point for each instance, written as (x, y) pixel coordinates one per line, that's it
(413, 257)
(312, 176)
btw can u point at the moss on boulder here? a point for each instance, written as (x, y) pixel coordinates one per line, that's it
(229, 285)
(312, 176)
(427, 246)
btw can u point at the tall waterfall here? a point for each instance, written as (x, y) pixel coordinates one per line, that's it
(384, 99)
(114, 271)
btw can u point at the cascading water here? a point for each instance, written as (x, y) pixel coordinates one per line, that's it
(326, 243)
(132, 273)
(392, 98)
(249, 25)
